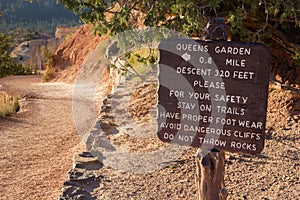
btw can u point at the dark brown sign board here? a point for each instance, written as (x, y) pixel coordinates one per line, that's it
(213, 94)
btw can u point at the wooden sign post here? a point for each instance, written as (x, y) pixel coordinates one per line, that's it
(213, 95)
(210, 165)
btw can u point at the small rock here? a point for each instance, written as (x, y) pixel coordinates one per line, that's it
(86, 160)
(81, 175)
(74, 193)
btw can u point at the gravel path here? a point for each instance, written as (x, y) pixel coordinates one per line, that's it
(37, 143)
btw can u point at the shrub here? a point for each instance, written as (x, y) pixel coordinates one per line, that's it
(49, 57)
(49, 74)
(8, 104)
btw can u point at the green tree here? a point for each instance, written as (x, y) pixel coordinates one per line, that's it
(273, 22)
(7, 65)
(251, 20)
(5, 61)
(37, 15)
(248, 18)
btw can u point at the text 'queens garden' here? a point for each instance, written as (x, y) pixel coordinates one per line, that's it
(218, 49)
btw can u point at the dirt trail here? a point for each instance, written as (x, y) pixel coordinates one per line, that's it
(37, 144)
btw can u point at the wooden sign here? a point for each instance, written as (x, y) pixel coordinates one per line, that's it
(213, 94)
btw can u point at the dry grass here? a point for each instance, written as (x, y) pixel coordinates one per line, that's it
(8, 104)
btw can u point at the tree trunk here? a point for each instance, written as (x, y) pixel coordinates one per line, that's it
(210, 170)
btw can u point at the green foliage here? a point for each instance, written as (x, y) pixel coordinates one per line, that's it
(7, 65)
(138, 64)
(246, 18)
(296, 57)
(39, 15)
(144, 56)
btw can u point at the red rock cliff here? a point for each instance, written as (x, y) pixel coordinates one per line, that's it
(72, 52)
